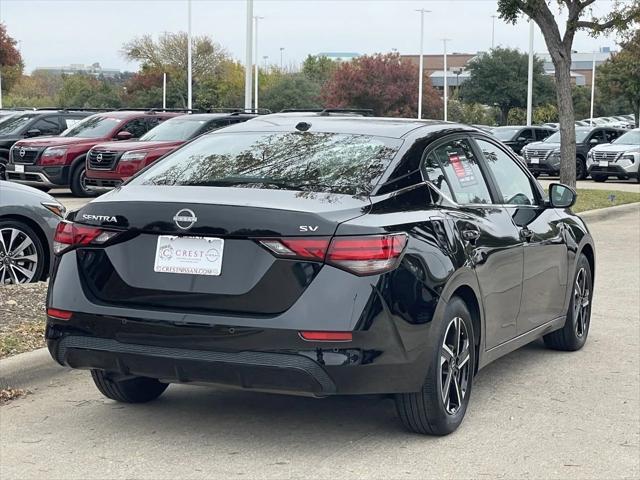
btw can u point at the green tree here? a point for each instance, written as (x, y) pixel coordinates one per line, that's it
(319, 68)
(545, 113)
(11, 64)
(622, 16)
(85, 91)
(500, 78)
(291, 91)
(619, 77)
(471, 113)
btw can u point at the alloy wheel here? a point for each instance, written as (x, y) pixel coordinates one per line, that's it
(581, 302)
(454, 365)
(18, 256)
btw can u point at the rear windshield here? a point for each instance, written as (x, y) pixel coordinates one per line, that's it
(15, 122)
(327, 162)
(96, 126)
(174, 130)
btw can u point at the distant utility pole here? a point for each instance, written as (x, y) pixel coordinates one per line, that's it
(164, 90)
(421, 73)
(189, 73)
(281, 58)
(493, 31)
(530, 79)
(593, 86)
(446, 86)
(248, 59)
(256, 19)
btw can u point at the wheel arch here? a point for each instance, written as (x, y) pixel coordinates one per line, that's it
(41, 236)
(589, 252)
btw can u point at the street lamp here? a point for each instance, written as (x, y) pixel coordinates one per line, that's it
(457, 72)
(256, 19)
(248, 59)
(530, 76)
(189, 74)
(281, 57)
(421, 74)
(493, 31)
(446, 87)
(593, 86)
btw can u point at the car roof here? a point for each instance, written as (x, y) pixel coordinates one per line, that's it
(349, 124)
(213, 116)
(137, 113)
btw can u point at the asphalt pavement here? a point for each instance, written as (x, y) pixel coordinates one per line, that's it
(535, 413)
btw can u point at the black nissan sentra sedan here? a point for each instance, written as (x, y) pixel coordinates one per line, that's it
(320, 254)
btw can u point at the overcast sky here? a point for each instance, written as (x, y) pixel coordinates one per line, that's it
(61, 32)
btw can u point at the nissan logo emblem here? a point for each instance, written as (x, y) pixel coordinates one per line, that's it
(99, 158)
(185, 219)
(22, 152)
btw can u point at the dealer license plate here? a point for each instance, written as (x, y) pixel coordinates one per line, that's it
(189, 255)
(535, 161)
(603, 163)
(20, 168)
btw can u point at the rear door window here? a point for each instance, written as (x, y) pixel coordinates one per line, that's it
(454, 169)
(136, 127)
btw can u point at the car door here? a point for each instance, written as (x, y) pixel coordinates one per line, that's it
(492, 245)
(541, 231)
(523, 138)
(542, 133)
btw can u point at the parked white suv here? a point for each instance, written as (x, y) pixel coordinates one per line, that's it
(620, 158)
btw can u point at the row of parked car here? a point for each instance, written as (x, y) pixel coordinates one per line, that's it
(78, 149)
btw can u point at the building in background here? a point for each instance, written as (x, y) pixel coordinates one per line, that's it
(94, 69)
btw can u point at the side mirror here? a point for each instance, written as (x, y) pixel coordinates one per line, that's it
(34, 132)
(593, 141)
(521, 139)
(124, 135)
(561, 196)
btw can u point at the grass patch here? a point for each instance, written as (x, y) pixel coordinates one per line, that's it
(21, 338)
(595, 199)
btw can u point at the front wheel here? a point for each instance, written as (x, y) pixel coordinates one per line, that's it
(78, 182)
(581, 169)
(439, 407)
(599, 178)
(3, 168)
(130, 390)
(573, 335)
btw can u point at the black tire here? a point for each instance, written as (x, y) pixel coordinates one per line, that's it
(599, 178)
(3, 168)
(426, 411)
(574, 334)
(581, 169)
(36, 268)
(77, 181)
(132, 390)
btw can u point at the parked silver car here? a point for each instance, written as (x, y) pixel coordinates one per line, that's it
(620, 158)
(28, 219)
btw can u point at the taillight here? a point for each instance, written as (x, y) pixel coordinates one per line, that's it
(69, 235)
(362, 255)
(310, 248)
(59, 314)
(366, 255)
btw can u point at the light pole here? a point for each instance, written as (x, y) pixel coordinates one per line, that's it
(530, 76)
(493, 31)
(264, 60)
(248, 59)
(256, 19)
(421, 73)
(446, 86)
(281, 58)
(593, 87)
(189, 73)
(164, 90)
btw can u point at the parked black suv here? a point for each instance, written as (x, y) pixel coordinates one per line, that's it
(516, 137)
(319, 254)
(34, 123)
(544, 157)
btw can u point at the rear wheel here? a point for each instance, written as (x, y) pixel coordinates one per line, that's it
(131, 390)
(78, 181)
(599, 178)
(22, 255)
(576, 328)
(439, 408)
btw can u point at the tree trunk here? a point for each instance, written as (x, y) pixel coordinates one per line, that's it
(566, 120)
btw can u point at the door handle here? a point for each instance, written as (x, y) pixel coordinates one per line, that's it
(526, 234)
(470, 234)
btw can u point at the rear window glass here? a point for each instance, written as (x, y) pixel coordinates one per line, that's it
(327, 162)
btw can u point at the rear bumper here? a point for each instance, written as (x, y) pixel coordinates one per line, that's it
(265, 359)
(39, 176)
(102, 184)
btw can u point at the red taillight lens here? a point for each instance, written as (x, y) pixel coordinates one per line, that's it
(310, 248)
(59, 314)
(327, 336)
(366, 255)
(72, 235)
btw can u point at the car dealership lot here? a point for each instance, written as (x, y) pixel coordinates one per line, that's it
(535, 414)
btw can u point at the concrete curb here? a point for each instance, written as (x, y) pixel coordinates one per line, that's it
(28, 369)
(604, 213)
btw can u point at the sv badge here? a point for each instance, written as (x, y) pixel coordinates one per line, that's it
(308, 228)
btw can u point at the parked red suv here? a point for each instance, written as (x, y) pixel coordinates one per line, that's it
(60, 161)
(110, 164)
